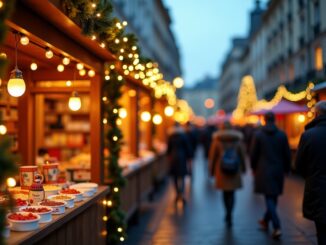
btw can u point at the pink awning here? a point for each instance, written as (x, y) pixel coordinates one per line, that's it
(282, 108)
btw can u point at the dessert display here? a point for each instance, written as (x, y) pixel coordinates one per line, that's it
(77, 194)
(88, 189)
(57, 206)
(51, 190)
(69, 199)
(19, 203)
(23, 221)
(44, 212)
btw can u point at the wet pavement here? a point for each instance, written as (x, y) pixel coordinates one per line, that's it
(201, 221)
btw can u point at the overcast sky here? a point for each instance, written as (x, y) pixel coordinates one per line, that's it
(203, 30)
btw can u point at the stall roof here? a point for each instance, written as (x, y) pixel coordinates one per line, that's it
(282, 108)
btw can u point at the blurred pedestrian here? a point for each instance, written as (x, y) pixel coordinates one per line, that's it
(179, 153)
(207, 138)
(311, 163)
(192, 134)
(227, 162)
(270, 161)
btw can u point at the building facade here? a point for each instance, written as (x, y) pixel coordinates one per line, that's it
(287, 46)
(150, 21)
(203, 97)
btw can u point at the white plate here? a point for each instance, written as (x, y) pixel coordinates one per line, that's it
(24, 225)
(87, 185)
(70, 203)
(78, 197)
(56, 209)
(45, 216)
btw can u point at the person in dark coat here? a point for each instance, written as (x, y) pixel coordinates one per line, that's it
(179, 153)
(311, 164)
(227, 138)
(270, 160)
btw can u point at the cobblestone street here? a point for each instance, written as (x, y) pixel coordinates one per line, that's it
(202, 220)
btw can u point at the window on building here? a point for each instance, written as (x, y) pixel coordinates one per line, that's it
(319, 59)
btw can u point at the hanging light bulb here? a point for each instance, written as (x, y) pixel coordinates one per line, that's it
(91, 73)
(145, 116)
(68, 83)
(65, 60)
(11, 182)
(74, 102)
(16, 85)
(48, 53)
(82, 72)
(79, 66)
(169, 111)
(157, 119)
(3, 129)
(123, 113)
(24, 40)
(60, 68)
(33, 66)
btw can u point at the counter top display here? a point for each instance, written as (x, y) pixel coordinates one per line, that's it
(65, 227)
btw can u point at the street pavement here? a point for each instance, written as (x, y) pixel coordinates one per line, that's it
(201, 221)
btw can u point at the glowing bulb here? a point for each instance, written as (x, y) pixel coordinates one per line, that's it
(126, 72)
(98, 15)
(109, 203)
(119, 122)
(115, 189)
(65, 60)
(33, 66)
(104, 202)
(68, 83)
(115, 111)
(122, 50)
(145, 116)
(178, 82)
(16, 85)
(1, 4)
(3, 55)
(121, 57)
(122, 239)
(105, 121)
(3, 129)
(24, 40)
(60, 68)
(112, 67)
(74, 102)
(125, 39)
(107, 77)
(157, 119)
(82, 72)
(120, 78)
(134, 48)
(105, 218)
(79, 66)
(301, 118)
(132, 93)
(48, 54)
(117, 41)
(11, 182)
(91, 73)
(123, 113)
(124, 23)
(105, 98)
(119, 229)
(93, 37)
(102, 45)
(94, 5)
(169, 111)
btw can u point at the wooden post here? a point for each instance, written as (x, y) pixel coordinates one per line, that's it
(96, 130)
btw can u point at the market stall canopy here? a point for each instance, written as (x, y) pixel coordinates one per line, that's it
(282, 108)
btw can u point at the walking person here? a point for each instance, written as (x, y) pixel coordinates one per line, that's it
(179, 153)
(311, 164)
(227, 161)
(270, 161)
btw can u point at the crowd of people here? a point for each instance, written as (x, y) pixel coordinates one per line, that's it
(230, 150)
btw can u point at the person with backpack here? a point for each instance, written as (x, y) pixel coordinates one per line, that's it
(227, 161)
(270, 160)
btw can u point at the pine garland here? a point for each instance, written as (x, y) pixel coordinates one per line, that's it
(7, 159)
(116, 226)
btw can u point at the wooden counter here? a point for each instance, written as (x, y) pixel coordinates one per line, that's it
(79, 225)
(142, 180)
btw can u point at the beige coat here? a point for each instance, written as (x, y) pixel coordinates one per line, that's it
(221, 138)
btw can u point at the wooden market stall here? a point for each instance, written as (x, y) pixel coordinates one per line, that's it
(42, 118)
